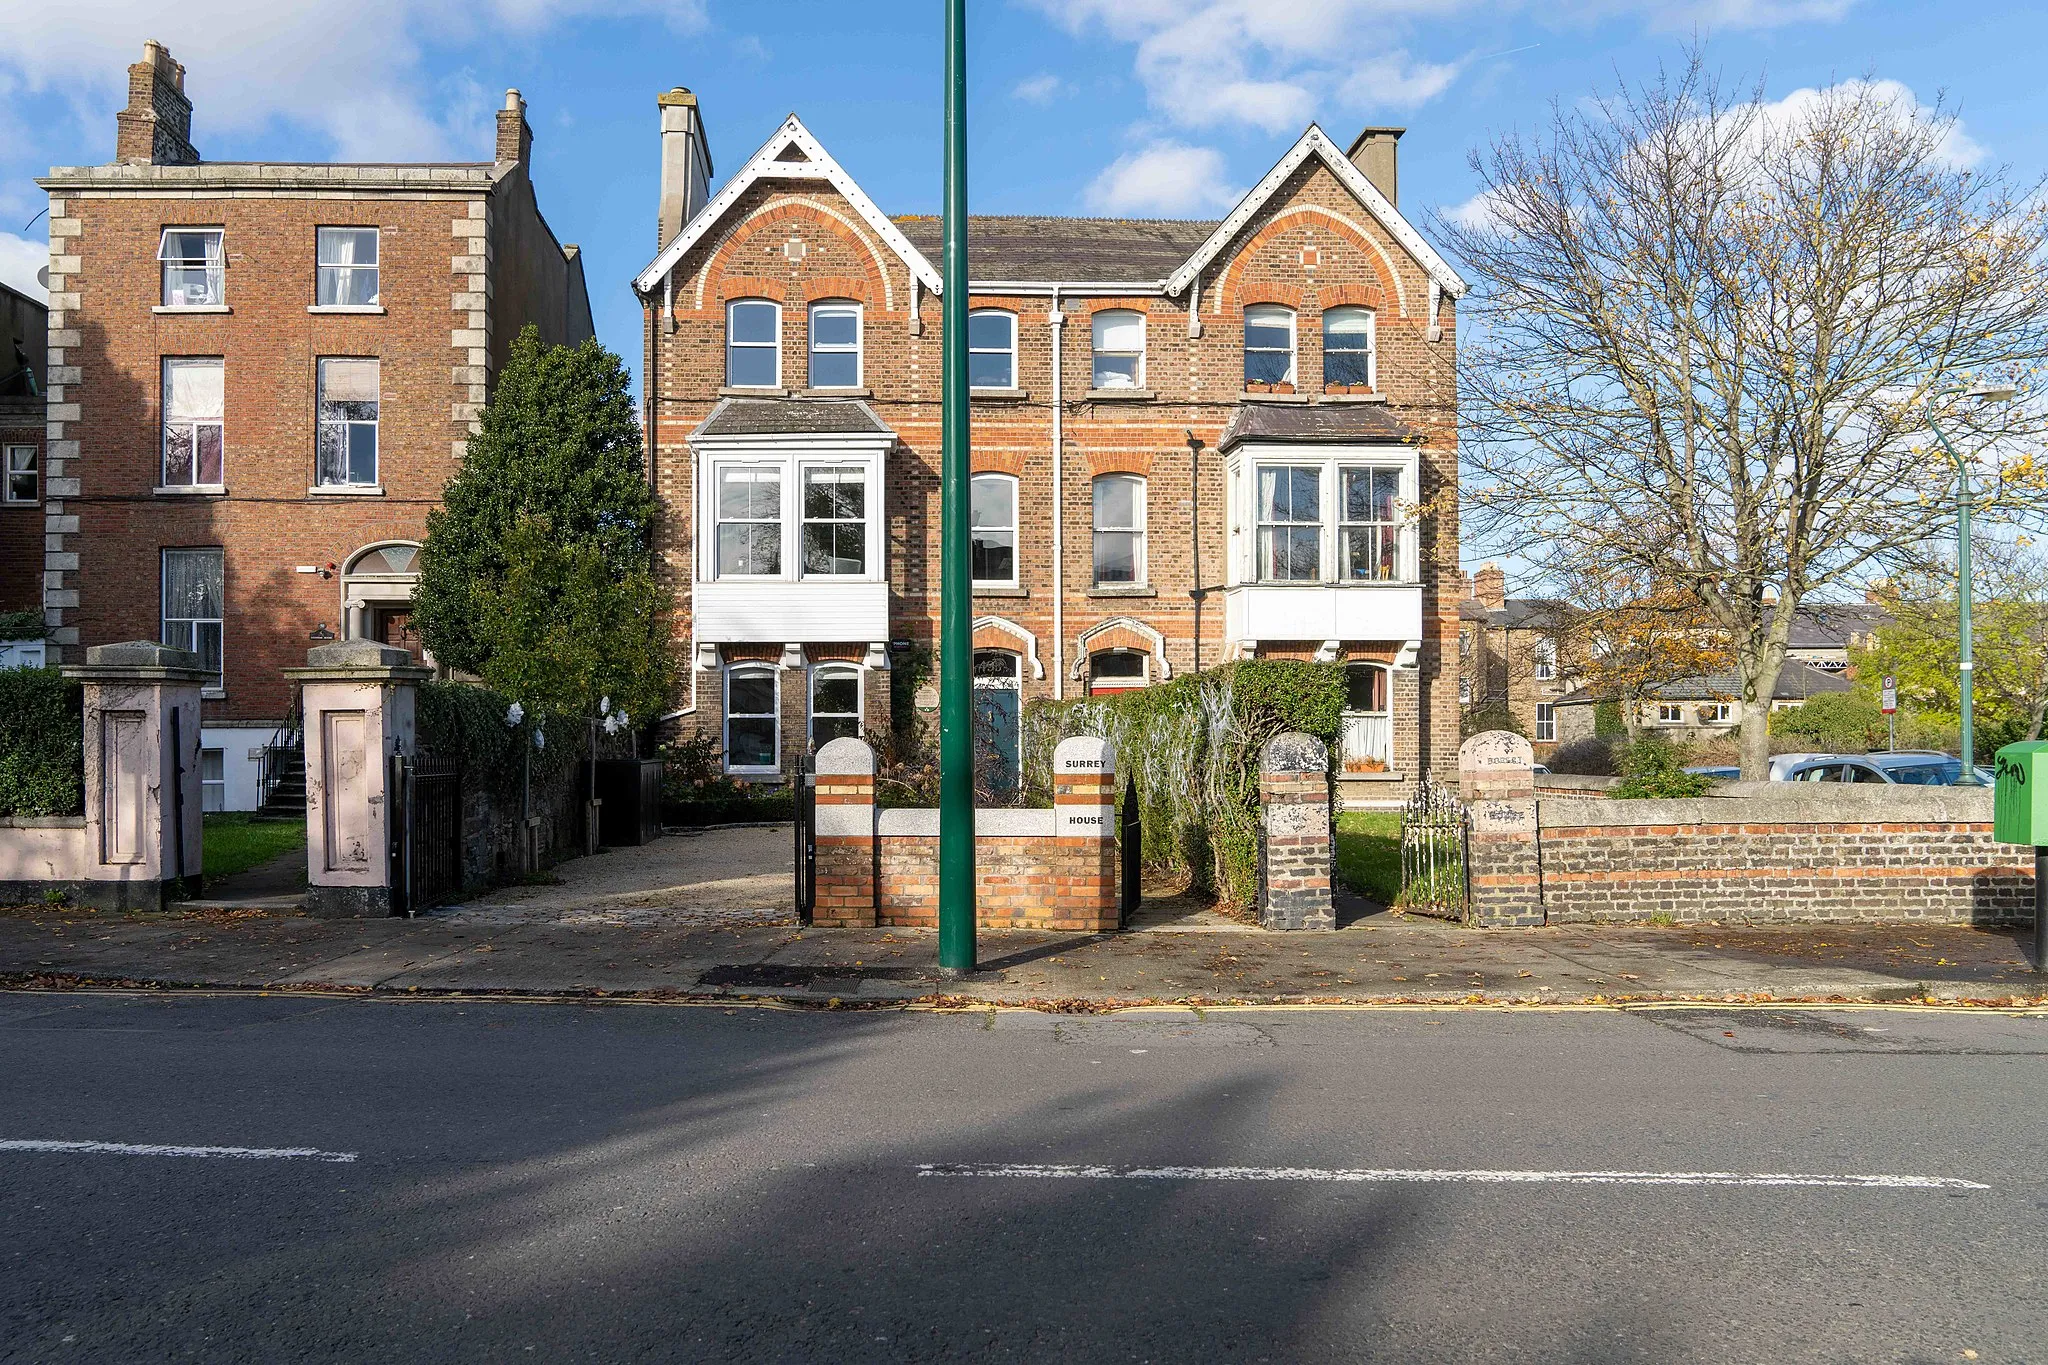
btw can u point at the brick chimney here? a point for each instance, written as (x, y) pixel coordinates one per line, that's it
(1373, 151)
(156, 127)
(515, 139)
(1490, 586)
(685, 164)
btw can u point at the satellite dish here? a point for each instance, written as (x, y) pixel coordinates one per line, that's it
(43, 276)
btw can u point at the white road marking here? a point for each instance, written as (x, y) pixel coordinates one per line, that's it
(159, 1149)
(1423, 1177)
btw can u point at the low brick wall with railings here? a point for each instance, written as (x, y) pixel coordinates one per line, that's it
(1798, 853)
(1034, 869)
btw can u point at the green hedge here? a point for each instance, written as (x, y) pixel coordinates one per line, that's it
(466, 723)
(1193, 745)
(42, 743)
(23, 625)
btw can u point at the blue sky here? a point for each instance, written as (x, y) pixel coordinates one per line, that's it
(1156, 107)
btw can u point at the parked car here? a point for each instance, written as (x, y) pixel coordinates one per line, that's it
(1720, 772)
(1910, 768)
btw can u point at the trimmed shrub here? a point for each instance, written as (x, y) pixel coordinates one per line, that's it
(23, 625)
(1584, 757)
(1607, 721)
(1192, 746)
(1654, 770)
(466, 723)
(1834, 722)
(42, 743)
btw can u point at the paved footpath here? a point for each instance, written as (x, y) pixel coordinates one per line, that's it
(1383, 958)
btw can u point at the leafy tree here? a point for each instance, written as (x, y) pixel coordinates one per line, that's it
(1710, 332)
(1493, 716)
(537, 570)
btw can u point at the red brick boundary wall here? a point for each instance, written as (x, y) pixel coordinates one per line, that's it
(1749, 853)
(1294, 834)
(1034, 869)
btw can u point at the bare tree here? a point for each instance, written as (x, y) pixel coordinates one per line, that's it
(1710, 333)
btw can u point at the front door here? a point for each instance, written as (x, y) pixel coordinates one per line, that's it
(393, 626)
(997, 722)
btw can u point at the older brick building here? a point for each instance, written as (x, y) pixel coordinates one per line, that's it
(261, 376)
(1510, 660)
(24, 370)
(1192, 442)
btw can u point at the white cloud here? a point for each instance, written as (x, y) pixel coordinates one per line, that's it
(1478, 213)
(20, 259)
(1166, 178)
(1039, 89)
(1393, 80)
(1957, 149)
(247, 65)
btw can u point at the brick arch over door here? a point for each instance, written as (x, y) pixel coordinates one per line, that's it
(1000, 632)
(803, 209)
(1122, 632)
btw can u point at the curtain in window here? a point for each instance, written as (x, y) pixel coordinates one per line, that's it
(348, 422)
(192, 603)
(193, 403)
(1290, 513)
(348, 267)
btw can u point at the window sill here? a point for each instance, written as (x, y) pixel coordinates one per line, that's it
(1352, 398)
(1249, 397)
(213, 694)
(191, 308)
(997, 590)
(1000, 395)
(1372, 777)
(1132, 590)
(746, 392)
(348, 309)
(836, 393)
(1120, 395)
(22, 504)
(191, 490)
(346, 490)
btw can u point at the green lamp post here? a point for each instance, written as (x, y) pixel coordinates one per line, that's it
(956, 636)
(1966, 666)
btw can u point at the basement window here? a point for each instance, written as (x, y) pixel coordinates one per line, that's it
(753, 720)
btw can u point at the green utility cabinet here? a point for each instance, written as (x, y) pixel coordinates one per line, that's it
(2019, 811)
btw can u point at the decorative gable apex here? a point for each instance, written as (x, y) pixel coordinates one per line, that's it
(790, 154)
(1316, 143)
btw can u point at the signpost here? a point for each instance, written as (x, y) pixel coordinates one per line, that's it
(2019, 815)
(956, 635)
(1891, 711)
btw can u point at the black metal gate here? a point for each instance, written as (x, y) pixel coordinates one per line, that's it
(804, 798)
(426, 838)
(1131, 845)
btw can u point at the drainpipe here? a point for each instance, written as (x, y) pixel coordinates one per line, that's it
(1057, 320)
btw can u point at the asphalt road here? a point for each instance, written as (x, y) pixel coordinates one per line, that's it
(576, 1181)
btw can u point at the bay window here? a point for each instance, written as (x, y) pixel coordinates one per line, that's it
(753, 719)
(1119, 349)
(1290, 523)
(749, 521)
(835, 346)
(1119, 529)
(192, 435)
(835, 521)
(1268, 344)
(1369, 534)
(1368, 737)
(753, 344)
(992, 520)
(992, 349)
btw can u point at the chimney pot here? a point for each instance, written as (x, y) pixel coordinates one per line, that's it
(156, 127)
(1374, 151)
(515, 138)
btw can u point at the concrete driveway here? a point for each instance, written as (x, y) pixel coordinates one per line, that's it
(737, 875)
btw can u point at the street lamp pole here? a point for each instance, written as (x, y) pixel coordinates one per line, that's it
(956, 643)
(1966, 665)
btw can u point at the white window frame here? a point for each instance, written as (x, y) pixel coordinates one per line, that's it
(860, 699)
(1321, 523)
(1372, 343)
(804, 520)
(1395, 528)
(1016, 534)
(348, 425)
(732, 345)
(1716, 713)
(1009, 351)
(1546, 659)
(1671, 713)
(773, 714)
(858, 350)
(1143, 678)
(1546, 723)
(22, 460)
(1097, 351)
(218, 281)
(344, 269)
(188, 636)
(781, 472)
(1139, 568)
(1266, 312)
(192, 426)
(213, 791)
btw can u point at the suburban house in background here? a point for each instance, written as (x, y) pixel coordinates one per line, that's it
(24, 378)
(1823, 633)
(1704, 706)
(1192, 442)
(1508, 656)
(261, 375)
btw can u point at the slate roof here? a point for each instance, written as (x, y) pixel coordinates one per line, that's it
(1046, 249)
(1520, 613)
(1796, 682)
(792, 417)
(1821, 625)
(1255, 421)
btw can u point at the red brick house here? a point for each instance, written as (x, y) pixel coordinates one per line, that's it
(1192, 442)
(24, 373)
(261, 376)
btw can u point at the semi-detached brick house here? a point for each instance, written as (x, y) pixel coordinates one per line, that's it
(261, 377)
(1192, 442)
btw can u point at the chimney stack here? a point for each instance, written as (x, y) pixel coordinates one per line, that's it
(515, 139)
(1490, 586)
(156, 127)
(1373, 151)
(685, 164)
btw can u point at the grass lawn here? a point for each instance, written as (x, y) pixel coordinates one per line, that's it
(1369, 853)
(235, 843)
